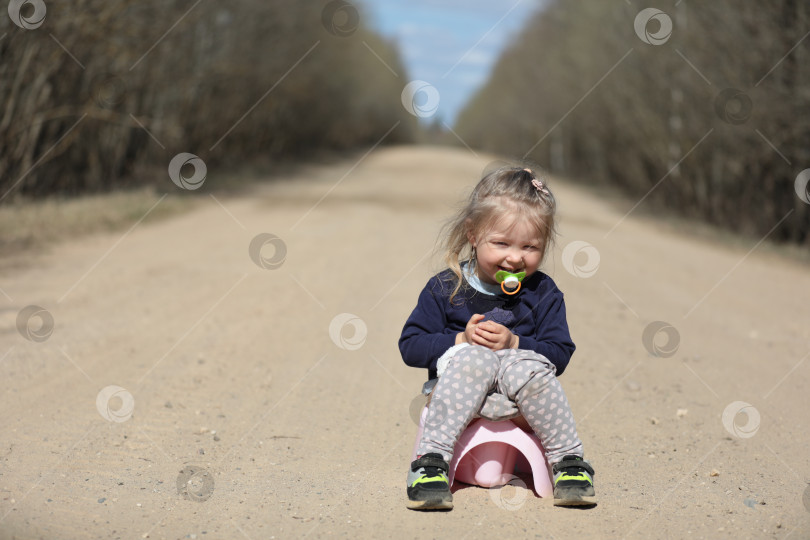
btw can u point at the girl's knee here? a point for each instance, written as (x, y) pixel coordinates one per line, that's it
(477, 350)
(477, 361)
(481, 354)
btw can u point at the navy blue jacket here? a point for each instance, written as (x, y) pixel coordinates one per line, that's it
(536, 315)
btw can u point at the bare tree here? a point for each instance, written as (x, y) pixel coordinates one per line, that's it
(101, 87)
(707, 120)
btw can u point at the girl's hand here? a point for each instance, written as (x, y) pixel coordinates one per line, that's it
(469, 331)
(493, 336)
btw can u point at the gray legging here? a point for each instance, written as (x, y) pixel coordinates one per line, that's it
(516, 376)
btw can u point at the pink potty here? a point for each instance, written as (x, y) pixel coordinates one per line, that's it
(488, 453)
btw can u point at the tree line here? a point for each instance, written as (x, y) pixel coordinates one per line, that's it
(94, 92)
(696, 107)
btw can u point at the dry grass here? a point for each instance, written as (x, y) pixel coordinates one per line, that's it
(33, 225)
(30, 226)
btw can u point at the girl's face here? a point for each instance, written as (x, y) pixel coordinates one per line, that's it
(514, 247)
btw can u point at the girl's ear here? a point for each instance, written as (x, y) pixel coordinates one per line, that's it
(469, 232)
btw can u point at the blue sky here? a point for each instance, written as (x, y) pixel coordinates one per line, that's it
(451, 44)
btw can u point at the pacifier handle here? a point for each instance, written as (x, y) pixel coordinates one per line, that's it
(503, 288)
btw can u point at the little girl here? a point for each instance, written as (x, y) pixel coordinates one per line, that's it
(497, 350)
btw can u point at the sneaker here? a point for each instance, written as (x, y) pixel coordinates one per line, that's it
(573, 482)
(428, 486)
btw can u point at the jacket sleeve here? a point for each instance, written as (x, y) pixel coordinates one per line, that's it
(426, 336)
(551, 337)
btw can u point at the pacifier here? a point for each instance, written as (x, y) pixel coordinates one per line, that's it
(509, 281)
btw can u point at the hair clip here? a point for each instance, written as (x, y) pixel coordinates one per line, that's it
(540, 186)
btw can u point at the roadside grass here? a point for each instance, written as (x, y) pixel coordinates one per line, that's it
(29, 226)
(673, 221)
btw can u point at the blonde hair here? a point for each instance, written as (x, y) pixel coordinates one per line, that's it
(509, 192)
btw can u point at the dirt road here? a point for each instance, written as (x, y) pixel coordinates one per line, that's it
(178, 355)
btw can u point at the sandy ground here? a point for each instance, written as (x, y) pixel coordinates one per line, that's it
(229, 376)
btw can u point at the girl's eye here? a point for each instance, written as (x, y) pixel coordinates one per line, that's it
(530, 248)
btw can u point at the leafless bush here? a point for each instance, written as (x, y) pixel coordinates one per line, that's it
(102, 86)
(711, 123)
